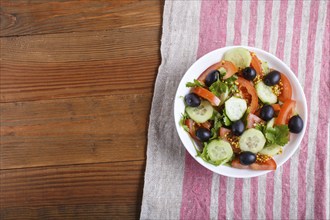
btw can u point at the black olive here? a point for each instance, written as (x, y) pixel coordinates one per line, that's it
(296, 124)
(238, 128)
(203, 134)
(192, 100)
(211, 78)
(267, 112)
(247, 158)
(272, 78)
(249, 73)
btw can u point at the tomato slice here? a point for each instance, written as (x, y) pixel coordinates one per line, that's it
(206, 125)
(230, 68)
(256, 64)
(206, 94)
(267, 165)
(248, 92)
(286, 112)
(252, 119)
(276, 107)
(192, 128)
(223, 132)
(287, 89)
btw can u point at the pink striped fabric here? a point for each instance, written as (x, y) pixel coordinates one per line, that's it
(213, 34)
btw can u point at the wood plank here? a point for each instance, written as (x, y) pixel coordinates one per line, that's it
(74, 131)
(78, 64)
(110, 190)
(24, 17)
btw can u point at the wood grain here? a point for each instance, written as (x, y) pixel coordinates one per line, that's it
(24, 17)
(74, 131)
(104, 191)
(78, 64)
(76, 83)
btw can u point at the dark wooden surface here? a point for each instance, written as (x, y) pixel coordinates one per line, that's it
(76, 87)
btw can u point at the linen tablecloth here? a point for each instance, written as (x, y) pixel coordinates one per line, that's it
(176, 186)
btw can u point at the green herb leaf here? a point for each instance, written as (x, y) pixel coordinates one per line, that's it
(225, 119)
(277, 135)
(182, 121)
(218, 87)
(196, 83)
(217, 124)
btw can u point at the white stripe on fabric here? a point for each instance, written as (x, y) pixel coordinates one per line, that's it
(310, 172)
(245, 22)
(262, 197)
(230, 23)
(303, 42)
(274, 27)
(230, 198)
(214, 196)
(163, 201)
(294, 181)
(289, 32)
(260, 24)
(277, 198)
(246, 203)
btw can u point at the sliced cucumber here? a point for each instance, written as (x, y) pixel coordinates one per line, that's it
(219, 151)
(264, 66)
(252, 140)
(235, 108)
(271, 150)
(265, 93)
(239, 56)
(270, 123)
(202, 113)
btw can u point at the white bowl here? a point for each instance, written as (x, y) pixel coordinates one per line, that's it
(215, 56)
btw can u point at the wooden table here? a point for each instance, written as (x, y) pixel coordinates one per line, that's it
(77, 81)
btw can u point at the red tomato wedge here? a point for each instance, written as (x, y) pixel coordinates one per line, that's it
(287, 89)
(267, 165)
(223, 132)
(252, 119)
(192, 128)
(206, 94)
(286, 112)
(276, 107)
(206, 125)
(230, 68)
(256, 64)
(248, 92)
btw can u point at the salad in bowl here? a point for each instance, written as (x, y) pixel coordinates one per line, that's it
(238, 109)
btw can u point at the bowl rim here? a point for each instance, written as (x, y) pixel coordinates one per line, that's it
(225, 170)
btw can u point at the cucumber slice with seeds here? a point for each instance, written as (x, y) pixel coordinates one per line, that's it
(239, 56)
(271, 150)
(201, 113)
(235, 108)
(252, 140)
(265, 93)
(219, 151)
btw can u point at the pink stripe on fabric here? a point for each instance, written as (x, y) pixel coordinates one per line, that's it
(323, 122)
(254, 198)
(222, 201)
(267, 25)
(296, 36)
(281, 29)
(196, 195)
(213, 28)
(238, 22)
(269, 195)
(253, 22)
(197, 181)
(314, 7)
(238, 196)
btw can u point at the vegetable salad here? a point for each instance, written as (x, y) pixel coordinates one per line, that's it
(240, 112)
